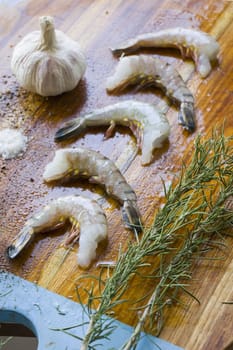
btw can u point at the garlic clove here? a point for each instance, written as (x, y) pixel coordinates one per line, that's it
(48, 62)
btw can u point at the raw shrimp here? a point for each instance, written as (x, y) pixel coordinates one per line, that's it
(145, 71)
(80, 211)
(147, 122)
(202, 47)
(99, 169)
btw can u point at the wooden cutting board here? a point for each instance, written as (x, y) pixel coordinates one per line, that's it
(97, 25)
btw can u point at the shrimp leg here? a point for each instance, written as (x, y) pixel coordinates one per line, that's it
(200, 46)
(77, 209)
(147, 122)
(145, 71)
(99, 169)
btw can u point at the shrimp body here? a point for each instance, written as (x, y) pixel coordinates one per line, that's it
(148, 123)
(146, 71)
(99, 169)
(202, 47)
(81, 211)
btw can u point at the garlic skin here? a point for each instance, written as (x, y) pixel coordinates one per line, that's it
(48, 62)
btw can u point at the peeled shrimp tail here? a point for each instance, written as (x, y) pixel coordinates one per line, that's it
(186, 116)
(23, 239)
(131, 216)
(70, 129)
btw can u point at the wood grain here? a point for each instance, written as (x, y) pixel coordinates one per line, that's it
(97, 25)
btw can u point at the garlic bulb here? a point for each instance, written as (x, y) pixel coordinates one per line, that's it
(48, 62)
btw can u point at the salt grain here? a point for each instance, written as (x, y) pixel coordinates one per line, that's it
(12, 143)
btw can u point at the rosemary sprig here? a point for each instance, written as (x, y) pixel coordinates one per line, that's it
(4, 342)
(194, 209)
